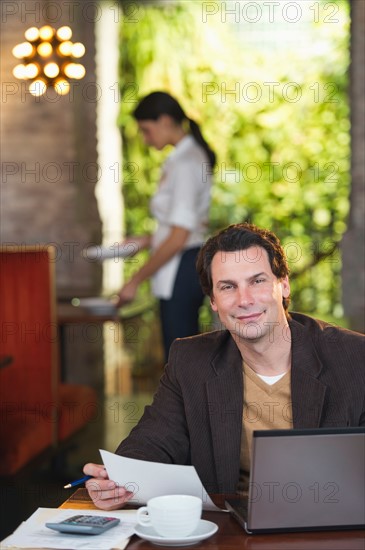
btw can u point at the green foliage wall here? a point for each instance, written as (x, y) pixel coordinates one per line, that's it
(271, 95)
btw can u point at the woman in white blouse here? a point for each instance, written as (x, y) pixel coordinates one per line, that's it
(181, 207)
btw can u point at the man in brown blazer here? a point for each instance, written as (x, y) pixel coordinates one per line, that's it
(268, 369)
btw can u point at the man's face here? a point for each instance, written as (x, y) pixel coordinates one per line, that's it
(247, 295)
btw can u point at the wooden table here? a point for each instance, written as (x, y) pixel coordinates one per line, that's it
(74, 324)
(231, 536)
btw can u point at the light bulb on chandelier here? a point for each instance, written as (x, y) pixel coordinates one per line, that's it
(49, 59)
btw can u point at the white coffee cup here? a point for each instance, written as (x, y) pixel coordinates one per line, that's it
(173, 516)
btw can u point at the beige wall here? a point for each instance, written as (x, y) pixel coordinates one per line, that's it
(48, 149)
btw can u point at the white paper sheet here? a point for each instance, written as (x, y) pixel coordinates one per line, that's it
(151, 479)
(34, 534)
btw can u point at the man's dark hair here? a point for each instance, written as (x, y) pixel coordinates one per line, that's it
(241, 236)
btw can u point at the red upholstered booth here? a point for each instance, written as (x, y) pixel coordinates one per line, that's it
(37, 411)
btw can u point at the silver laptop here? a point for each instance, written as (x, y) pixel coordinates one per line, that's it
(304, 480)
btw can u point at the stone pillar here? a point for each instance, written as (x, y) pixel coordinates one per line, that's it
(49, 157)
(50, 168)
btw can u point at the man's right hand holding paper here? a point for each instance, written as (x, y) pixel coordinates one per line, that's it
(105, 493)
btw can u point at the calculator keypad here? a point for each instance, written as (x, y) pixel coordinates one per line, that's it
(89, 520)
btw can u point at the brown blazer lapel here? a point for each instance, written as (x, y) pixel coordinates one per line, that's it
(308, 393)
(225, 405)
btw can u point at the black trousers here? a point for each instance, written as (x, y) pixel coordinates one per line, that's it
(180, 314)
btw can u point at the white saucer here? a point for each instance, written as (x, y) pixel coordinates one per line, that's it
(97, 305)
(204, 530)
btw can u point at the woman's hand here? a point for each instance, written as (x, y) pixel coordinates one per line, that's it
(173, 244)
(135, 244)
(105, 494)
(128, 293)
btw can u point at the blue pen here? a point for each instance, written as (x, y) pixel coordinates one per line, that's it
(77, 482)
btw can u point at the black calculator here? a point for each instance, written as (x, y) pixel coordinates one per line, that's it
(84, 525)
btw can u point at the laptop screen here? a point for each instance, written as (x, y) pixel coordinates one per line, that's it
(307, 479)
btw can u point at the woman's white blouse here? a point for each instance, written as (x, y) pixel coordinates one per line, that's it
(183, 200)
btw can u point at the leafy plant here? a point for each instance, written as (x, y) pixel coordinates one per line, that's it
(274, 107)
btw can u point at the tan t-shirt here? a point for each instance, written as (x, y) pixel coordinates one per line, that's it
(265, 407)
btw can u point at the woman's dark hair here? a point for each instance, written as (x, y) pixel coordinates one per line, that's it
(152, 106)
(238, 237)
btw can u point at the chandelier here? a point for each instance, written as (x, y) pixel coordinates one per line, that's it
(49, 59)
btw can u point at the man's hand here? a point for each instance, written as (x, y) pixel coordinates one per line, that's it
(105, 494)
